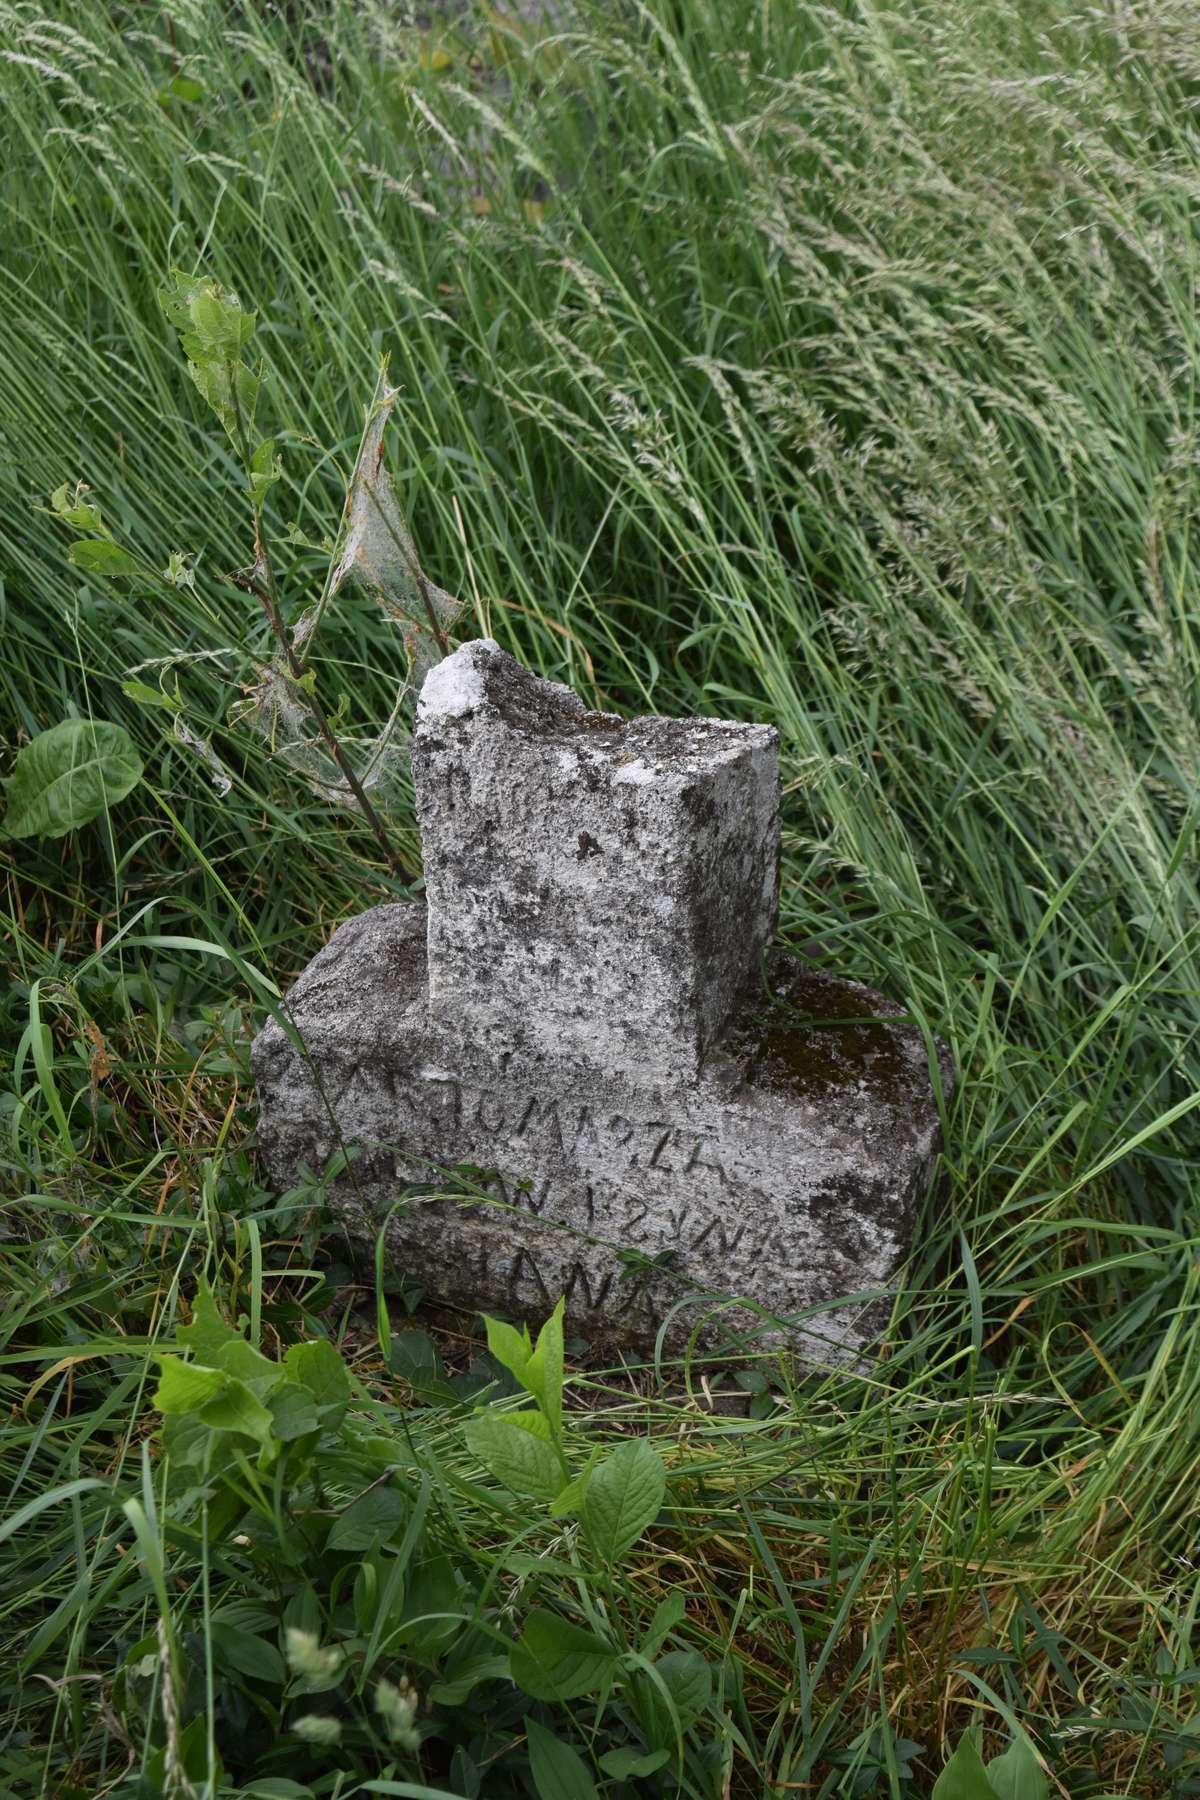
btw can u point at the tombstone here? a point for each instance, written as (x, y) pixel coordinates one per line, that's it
(579, 1068)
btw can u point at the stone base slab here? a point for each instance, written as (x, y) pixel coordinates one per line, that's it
(786, 1176)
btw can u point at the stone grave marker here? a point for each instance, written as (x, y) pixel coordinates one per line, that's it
(659, 1113)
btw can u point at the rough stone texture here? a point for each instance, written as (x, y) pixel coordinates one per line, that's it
(576, 1039)
(599, 891)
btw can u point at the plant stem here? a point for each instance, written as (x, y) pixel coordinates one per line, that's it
(270, 604)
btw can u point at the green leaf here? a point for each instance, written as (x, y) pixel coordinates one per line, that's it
(1017, 1774)
(433, 1607)
(457, 1688)
(621, 1764)
(559, 1772)
(293, 1412)
(99, 556)
(413, 1355)
(319, 1368)
(145, 695)
(544, 1370)
(623, 1496)
(511, 1348)
(248, 1654)
(231, 389)
(236, 1408)
(375, 1517)
(185, 1387)
(516, 1455)
(184, 87)
(265, 470)
(73, 509)
(688, 1680)
(555, 1660)
(569, 1500)
(258, 1372)
(67, 776)
(964, 1776)
(176, 295)
(209, 1331)
(180, 570)
(217, 323)
(667, 1615)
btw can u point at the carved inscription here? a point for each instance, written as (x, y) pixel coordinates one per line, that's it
(552, 1127)
(647, 1184)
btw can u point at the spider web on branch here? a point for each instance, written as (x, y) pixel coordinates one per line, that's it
(376, 551)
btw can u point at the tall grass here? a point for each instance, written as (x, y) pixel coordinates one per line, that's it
(828, 365)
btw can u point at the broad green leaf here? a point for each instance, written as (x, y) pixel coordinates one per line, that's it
(964, 1776)
(534, 1424)
(544, 1370)
(99, 556)
(293, 1412)
(559, 1772)
(516, 1455)
(231, 389)
(319, 1368)
(433, 1607)
(414, 1355)
(71, 507)
(621, 1764)
(265, 470)
(457, 1688)
(235, 1408)
(511, 1348)
(258, 1372)
(1017, 1774)
(185, 1387)
(688, 1680)
(145, 695)
(248, 1654)
(184, 87)
(275, 1787)
(667, 1615)
(68, 775)
(217, 324)
(374, 1518)
(176, 295)
(208, 1331)
(555, 1660)
(569, 1500)
(624, 1495)
(187, 1441)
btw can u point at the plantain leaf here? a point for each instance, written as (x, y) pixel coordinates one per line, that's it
(555, 1660)
(559, 1772)
(1017, 1774)
(964, 1776)
(67, 776)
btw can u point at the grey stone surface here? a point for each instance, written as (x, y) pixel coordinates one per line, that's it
(646, 1113)
(599, 891)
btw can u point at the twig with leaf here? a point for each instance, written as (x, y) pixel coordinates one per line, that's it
(373, 547)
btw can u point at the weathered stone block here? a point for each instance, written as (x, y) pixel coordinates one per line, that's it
(599, 890)
(771, 1151)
